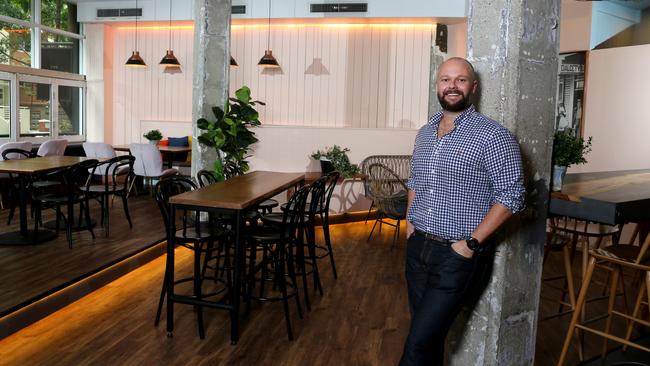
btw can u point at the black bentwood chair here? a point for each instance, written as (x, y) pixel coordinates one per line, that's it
(14, 154)
(278, 241)
(192, 234)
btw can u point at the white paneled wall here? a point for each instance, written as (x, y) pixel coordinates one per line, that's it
(150, 94)
(361, 75)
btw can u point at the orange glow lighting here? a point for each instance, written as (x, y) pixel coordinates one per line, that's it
(291, 25)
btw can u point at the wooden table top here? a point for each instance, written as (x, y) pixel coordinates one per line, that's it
(240, 192)
(172, 149)
(609, 197)
(39, 164)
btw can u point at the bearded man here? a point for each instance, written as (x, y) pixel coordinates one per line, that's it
(466, 181)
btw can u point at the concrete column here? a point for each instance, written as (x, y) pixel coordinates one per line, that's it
(211, 70)
(513, 45)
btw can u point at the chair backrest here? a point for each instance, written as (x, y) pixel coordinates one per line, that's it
(119, 166)
(99, 150)
(388, 190)
(317, 195)
(167, 188)
(206, 177)
(293, 219)
(22, 145)
(332, 179)
(400, 165)
(148, 161)
(52, 148)
(16, 154)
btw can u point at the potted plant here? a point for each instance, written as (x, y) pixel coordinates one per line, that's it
(568, 149)
(230, 133)
(336, 158)
(154, 136)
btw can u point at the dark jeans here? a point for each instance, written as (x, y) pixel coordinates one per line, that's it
(439, 282)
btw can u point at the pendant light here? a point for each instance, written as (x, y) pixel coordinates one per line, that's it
(169, 60)
(233, 63)
(268, 60)
(135, 60)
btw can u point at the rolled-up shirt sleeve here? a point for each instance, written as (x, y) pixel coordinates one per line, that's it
(504, 167)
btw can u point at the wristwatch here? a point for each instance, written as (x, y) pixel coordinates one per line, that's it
(473, 244)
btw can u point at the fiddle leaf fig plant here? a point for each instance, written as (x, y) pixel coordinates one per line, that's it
(230, 133)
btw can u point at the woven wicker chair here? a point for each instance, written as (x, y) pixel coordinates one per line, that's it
(390, 196)
(398, 164)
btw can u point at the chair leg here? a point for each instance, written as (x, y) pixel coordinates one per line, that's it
(126, 210)
(86, 205)
(637, 307)
(610, 307)
(372, 204)
(328, 243)
(197, 288)
(279, 274)
(373, 228)
(582, 297)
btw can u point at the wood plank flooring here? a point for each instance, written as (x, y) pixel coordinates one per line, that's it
(30, 271)
(362, 319)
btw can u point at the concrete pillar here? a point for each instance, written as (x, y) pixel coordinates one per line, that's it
(211, 70)
(513, 45)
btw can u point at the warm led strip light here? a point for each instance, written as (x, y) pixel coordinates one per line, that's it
(291, 25)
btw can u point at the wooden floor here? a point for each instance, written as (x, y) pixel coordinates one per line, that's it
(29, 272)
(362, 319)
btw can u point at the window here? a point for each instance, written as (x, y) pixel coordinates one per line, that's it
(40, 104)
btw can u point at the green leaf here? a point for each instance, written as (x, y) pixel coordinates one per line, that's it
(203, 124)
(218, 112)
(244, 94)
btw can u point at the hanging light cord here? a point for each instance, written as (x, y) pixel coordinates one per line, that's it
(136, 25)
(268, 34)
(170, 24)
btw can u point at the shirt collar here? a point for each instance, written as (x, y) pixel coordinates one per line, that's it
(435, 119)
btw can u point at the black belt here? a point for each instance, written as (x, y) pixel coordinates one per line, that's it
(432, 237)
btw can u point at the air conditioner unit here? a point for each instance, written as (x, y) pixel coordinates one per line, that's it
(239, 9)
(113, 13)
(339, 8)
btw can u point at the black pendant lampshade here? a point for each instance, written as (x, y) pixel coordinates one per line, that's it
(233, 63)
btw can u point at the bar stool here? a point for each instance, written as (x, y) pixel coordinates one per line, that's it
(614, 258)
(277, 265)
(194, 235)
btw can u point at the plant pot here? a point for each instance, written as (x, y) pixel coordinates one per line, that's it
(558, 178)
(326, 166)
(154, 142)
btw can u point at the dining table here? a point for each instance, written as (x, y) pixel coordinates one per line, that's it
(234, 195)
(24, 169)
(611, 197)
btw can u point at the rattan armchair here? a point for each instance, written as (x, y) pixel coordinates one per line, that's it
(390, 196)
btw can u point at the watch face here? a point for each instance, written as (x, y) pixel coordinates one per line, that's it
(472, 244)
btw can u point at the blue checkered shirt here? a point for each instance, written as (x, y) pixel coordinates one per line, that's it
(457, 178)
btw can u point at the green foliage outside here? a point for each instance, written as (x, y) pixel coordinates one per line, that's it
(339, 158)
(54, 13)
(568, 149)
(230, 133)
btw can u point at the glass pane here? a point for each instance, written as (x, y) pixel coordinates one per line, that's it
(34, 113)
(60, 15)
(70, 110)
(5, 108)
(19, 9)
(59, 53)
(15, 44)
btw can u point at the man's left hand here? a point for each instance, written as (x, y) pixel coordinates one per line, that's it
(461, 248)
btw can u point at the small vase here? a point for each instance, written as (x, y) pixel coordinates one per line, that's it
(154, 142)
(558, 178)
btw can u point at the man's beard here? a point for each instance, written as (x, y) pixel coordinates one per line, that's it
(459, 106)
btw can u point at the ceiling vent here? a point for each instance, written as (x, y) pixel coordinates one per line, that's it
(239, 9)
(113, 13)
(339, 8)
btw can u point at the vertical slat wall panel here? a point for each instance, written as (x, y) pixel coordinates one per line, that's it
(371, 76)
(150, 93)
